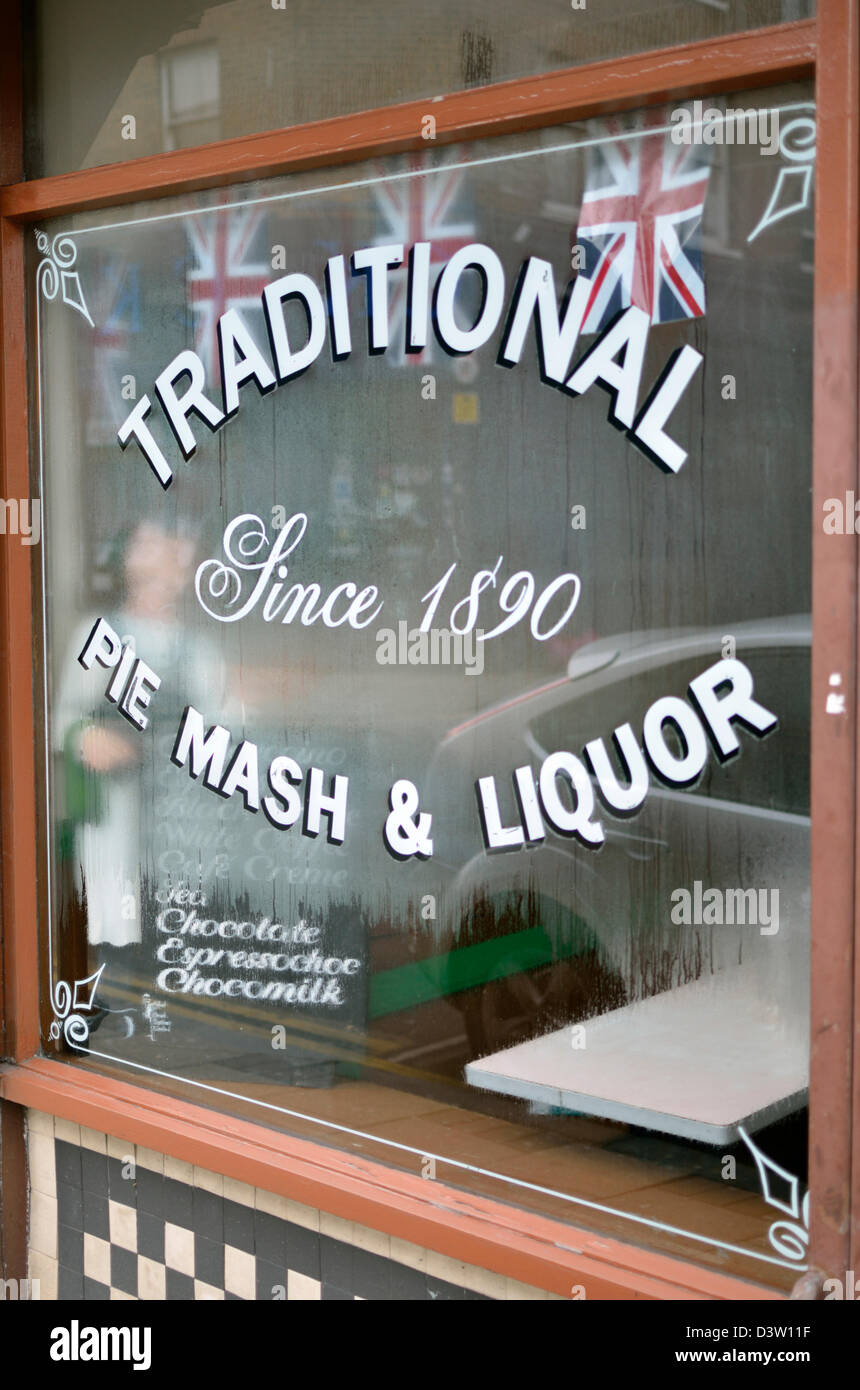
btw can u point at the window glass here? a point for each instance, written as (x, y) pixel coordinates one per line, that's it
(336, 646)
(104, 77)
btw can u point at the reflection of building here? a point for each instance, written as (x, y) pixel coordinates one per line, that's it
(191, 95)
(199, 72)
(316, 1121)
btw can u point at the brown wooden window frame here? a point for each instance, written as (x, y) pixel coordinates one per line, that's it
(492, 1234)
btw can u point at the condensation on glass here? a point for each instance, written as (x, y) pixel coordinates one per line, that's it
(114, 79)
(612, 1030)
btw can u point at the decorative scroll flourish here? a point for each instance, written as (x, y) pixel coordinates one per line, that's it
(70, 1004)
(788, 1238)
(793, 187)
(55, 273)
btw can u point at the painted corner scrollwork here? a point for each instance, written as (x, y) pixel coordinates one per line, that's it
(55, 273)
(793, 188)
(70, 1004)
(788, 1238)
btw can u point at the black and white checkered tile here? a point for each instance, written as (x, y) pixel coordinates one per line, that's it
(126, 1231)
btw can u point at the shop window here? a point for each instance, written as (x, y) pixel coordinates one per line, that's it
(603, 1018)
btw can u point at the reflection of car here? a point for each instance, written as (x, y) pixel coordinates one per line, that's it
(743, 826)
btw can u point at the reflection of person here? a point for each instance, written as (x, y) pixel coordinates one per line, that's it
(105, 758)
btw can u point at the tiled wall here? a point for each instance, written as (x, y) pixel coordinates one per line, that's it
(111, 1221)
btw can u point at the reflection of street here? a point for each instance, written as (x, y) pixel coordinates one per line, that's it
(746, 821)
(497, 965)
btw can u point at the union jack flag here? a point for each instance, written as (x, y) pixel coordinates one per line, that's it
(415, 209)
(640, 224)
(221, 278)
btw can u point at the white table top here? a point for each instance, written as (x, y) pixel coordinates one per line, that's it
(696, 1061)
